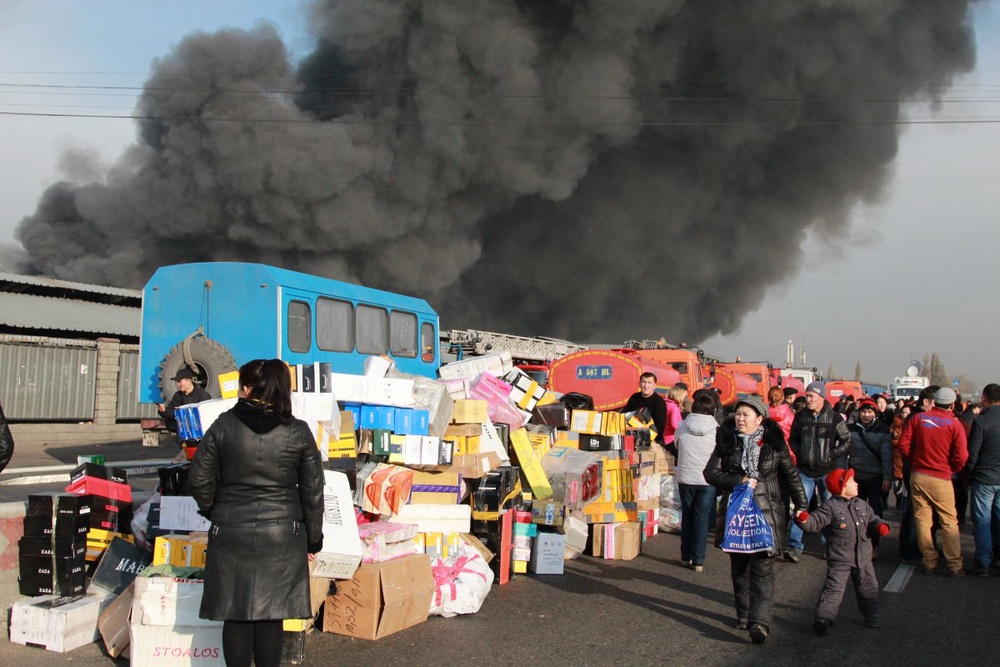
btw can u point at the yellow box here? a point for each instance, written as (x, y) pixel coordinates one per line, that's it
(613, 423)
(520, 566)
(194, 550)
(452, 541)
(396, 445)
(469, 411)
(531, 466)
(229, 384)
(296, 624)
(344, 448)
(541, 442)
(466, 444)
(465, 430)
(586, 421)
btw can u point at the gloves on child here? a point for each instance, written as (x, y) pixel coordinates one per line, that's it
(883, 529)
(802, 516)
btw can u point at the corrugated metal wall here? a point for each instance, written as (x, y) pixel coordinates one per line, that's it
(48, 382)
(129, 408)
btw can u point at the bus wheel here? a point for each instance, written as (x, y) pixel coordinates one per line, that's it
(210, 360)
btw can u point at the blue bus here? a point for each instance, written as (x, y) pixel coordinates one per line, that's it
(214, 316)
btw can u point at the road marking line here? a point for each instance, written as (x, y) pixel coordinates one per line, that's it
(899, 578)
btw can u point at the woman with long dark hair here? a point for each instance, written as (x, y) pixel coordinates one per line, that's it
(257, 476)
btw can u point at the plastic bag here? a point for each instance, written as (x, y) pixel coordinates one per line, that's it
(670, 504)
(747, 530)
(462, 583)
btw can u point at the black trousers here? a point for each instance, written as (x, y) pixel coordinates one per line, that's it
(870, 490)
(865, 589)
(753, 587)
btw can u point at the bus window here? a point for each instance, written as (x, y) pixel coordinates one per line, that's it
(402, 334)
(372, 326)
(334, 325)
(427, 342)
(299, 325)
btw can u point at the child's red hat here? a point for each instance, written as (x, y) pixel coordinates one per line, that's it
(837, 480)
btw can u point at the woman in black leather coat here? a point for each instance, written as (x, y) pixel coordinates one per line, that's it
(750, 448)
(257, 476)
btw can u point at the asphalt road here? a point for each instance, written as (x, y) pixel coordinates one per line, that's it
(651, 611)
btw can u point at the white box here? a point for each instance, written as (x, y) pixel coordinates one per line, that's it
(547, 553)
(209, 411)
(374, 391)
(498, 364)
(434, 518)
(316, 406)
(412, 450)
(377, 366)
(430, 450)
(177, 646)
(56, 623)
(490, 441)
(181, 513)
(341, 552)
(169, 601)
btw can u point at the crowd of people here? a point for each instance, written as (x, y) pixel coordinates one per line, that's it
(831, 469)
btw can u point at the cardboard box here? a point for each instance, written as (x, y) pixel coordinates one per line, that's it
(475, 466)
(616, 541)
(55, 623)
(386, 540)
(547, 553)
(168, 601)
(381, 598)
(469, 411)
(436, 488)
(373, 391)
(436, 518)
(498, 364)
(176, 646)
(341, 552)
(530, 466)
(113, 623)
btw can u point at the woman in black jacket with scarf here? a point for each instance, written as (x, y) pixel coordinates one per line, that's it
(257, 476)
(750, 448)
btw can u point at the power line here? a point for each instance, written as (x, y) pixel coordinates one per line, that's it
(541, 123)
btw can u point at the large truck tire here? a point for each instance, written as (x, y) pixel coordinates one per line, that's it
(211, 359)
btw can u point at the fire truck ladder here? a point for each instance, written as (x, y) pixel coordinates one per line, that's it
(524, 348)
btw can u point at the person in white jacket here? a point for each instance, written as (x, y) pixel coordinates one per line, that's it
(695, 439)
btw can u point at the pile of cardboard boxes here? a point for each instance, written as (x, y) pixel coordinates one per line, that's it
(433, 487)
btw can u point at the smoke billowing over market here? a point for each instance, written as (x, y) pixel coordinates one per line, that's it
(537, 166)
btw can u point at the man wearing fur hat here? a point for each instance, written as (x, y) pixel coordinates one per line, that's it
(934, 443)
(819, 440)
(849, 524)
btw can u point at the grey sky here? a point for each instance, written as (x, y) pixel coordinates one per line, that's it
(906, 279)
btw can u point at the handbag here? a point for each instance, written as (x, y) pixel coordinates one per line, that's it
(747, 530)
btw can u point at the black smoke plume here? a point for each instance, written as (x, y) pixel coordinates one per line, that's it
(596, 170)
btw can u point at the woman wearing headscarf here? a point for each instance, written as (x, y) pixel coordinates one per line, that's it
(750, 449)
(257, 476)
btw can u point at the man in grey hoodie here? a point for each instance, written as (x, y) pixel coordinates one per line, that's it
(695, 440)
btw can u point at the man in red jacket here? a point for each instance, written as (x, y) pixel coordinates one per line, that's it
(934, 442)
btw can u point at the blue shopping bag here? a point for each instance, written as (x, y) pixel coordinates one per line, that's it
(747, 531)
